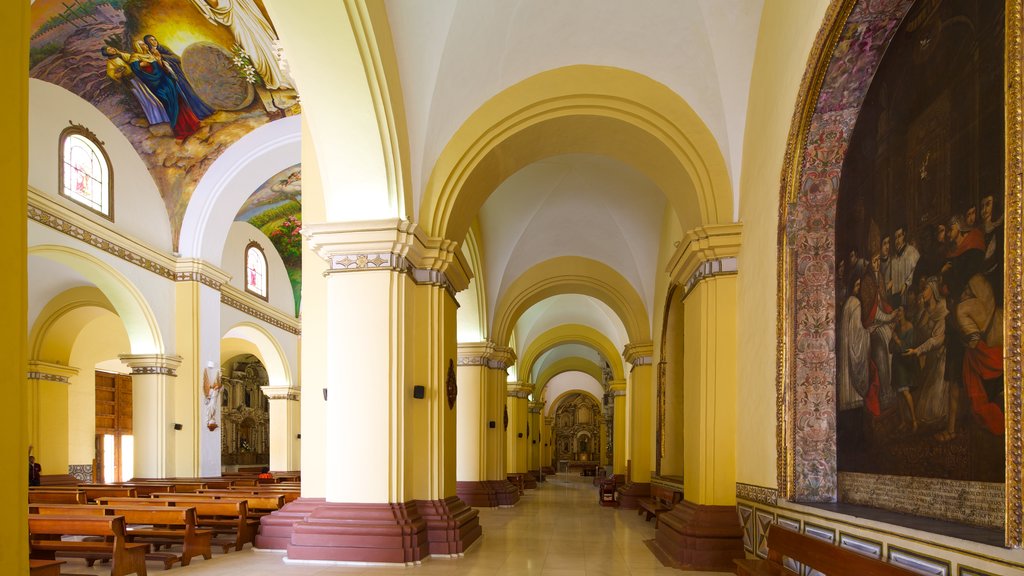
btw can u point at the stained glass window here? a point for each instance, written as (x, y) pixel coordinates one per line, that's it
(85, 171)
(256, 270)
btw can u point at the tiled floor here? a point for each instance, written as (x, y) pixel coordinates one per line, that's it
(556, 530)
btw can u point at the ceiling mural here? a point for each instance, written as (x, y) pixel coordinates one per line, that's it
(182, 79)
(276, 209)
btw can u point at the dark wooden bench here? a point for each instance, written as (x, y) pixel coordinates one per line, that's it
(45, 532)
(661, 500)
(56, 496)
(518, 480)
(815, 553)
(44, 567)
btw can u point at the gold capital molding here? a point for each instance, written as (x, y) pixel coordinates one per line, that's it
(712, 243)
(759, 494)
(486, 354)
(549, 421)
(259, 309)
(148, 364)
(51, 212)
(519, 389)
(536, 407)
(390, 244)
(194, 270)
(50, 372)
(617, 387)
(281, 392)
(639, 354)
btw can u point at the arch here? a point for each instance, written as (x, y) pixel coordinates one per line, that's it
(231, 179)
(580, 109)
(128, 302)
(256, 340)
(472, 314)
(70, 308)
(553, 405)
(572, 275)
(573, 364)
(572, 334)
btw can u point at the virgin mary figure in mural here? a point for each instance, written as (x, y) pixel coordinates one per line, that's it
(119, 71)
(160, 81)
(252, 32)
(172, 62)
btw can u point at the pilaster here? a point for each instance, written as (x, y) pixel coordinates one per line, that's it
(284, 427)
(641, 417)
(153, 378)
(48, 414)
(518, 419)
(617, 390)
(535, 408)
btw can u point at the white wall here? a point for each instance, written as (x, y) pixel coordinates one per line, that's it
(233, 262)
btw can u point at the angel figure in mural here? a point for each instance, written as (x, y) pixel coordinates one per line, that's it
(211, 396)
(252, 32)
(119, 71)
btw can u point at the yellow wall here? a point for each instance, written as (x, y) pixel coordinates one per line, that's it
(784, 41)
(13, 291)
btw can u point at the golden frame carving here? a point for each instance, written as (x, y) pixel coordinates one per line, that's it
(807, 97)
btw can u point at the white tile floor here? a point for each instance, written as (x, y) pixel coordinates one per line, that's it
(556, 530)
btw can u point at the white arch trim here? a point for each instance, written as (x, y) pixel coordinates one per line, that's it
(139, 321)
(229, 182)
(270, 351)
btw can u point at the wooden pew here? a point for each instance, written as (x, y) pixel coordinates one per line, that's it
(225, 516)
(288, 495)
(44, 567)
(818, 554)
(56, 496)
(126, 557)
(661, 500)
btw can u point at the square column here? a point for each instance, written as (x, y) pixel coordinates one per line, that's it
(48, 414)
(517, 455)
(617, 389)
(641, 418)
(153, 377)
(284, 427)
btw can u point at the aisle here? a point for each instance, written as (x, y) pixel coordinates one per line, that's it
(556, 530)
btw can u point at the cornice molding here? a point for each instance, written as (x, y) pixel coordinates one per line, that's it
(486, 354)
(518, 389)
(536, 407)
(759, 494)
(193, 270)
(50, 372)
(281, 392)
(259, 309)
(718, 242)
(148, 364)
(639, 354)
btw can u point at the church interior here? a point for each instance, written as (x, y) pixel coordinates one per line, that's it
(481, 287)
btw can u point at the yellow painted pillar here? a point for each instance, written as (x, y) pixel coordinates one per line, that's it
(499, 360)
(517, 456)
(389, 452)
(284, 427)
(48, 414)
(153, 431)
(534, 437)
(641, 424)
(14, 16)
(705, 266)
(548, 452)
(617, 389)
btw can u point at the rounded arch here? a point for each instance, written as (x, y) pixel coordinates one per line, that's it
(573, 364)
(572, 275)
(253, 339)
(553, 405)
(572, 334)
(231, 179)
(128, 302)
(472, 314)
(72, 309)
(580, 109)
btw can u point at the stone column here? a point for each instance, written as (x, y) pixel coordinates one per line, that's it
(284, 427)
(548, 451)
(534, 440)
(480, 475)
(48, 414)
(617, 389)
(517, 460)
(388, 391)
(641, 436)
(153, 377)
(701, 532)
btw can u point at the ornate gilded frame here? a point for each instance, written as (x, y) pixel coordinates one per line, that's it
(810, 88)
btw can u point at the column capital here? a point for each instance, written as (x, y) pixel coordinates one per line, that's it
(195, 270)
(519, 389)
(281, 392)
(638, 354)
(617, 388)
(390, 244)
(706, 251)
(145, 364)
(486, 354)
(39, 370)
(536, 407)
(549, 420)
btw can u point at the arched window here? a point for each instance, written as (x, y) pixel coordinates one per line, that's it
(85, 172)
(255, 270)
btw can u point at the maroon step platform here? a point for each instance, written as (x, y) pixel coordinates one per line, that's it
(631, 493)
(276, 528)
(392, 533)
(699, 537)
(452, 526)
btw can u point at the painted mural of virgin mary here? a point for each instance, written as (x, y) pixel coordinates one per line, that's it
(252, 32)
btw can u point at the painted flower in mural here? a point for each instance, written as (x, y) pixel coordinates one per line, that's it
(287, 238)
(243, 64)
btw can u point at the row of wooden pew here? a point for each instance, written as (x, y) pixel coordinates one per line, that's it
(133, 522)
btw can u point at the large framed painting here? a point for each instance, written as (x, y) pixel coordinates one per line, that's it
(899, 264)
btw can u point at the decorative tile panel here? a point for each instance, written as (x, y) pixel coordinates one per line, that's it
(746, 514)
(861, 545)
(918, 562)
